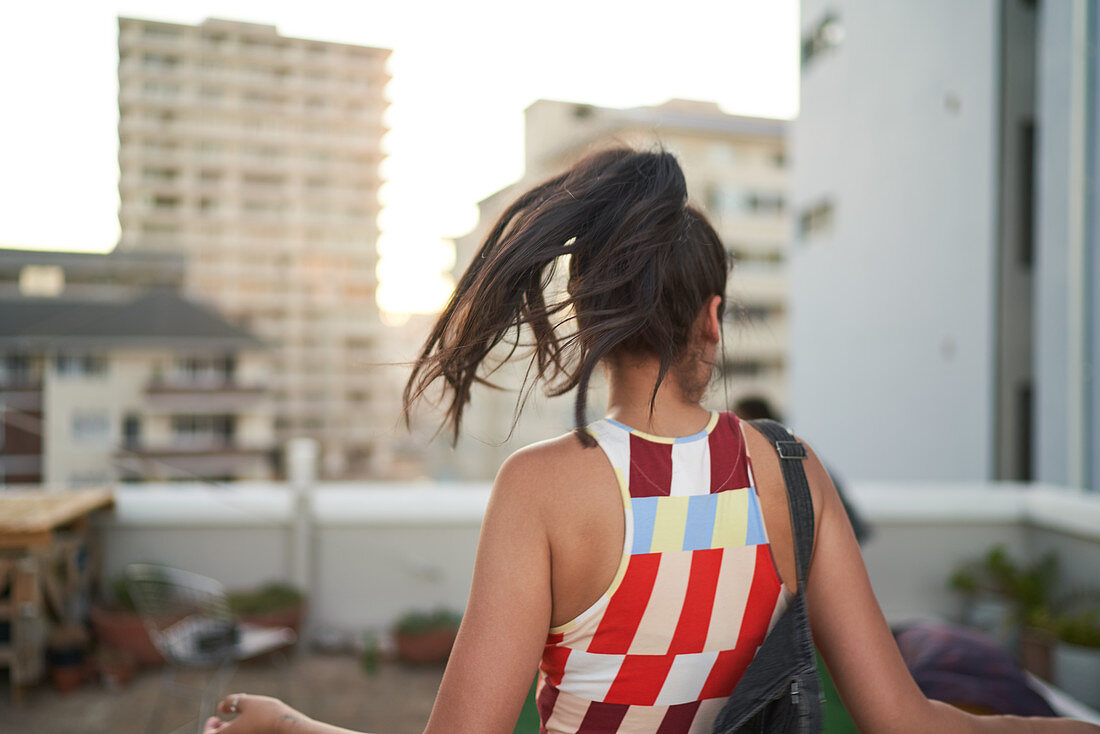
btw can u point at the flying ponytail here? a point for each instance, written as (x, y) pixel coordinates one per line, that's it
(642, 263)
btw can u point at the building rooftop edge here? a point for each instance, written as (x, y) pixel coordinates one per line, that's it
(251, 24)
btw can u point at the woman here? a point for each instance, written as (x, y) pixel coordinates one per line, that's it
(632, 561)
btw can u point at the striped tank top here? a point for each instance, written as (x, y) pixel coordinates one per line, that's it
(695, 593)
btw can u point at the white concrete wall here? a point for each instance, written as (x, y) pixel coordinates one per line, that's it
(373, 552)
(892, 325)
(1063, 234)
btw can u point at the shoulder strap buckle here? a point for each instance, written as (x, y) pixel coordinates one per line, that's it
(790, 450)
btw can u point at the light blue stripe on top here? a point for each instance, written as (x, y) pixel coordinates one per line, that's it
(688, 439)
(755, 532)
(645, 516)
(700, 521)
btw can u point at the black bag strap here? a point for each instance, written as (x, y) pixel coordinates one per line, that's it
(791, 455)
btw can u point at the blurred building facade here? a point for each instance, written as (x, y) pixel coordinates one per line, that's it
(736, 172)
(943, 273)
(257, 156)
(95, 389)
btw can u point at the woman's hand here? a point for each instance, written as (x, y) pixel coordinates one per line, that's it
(256, 715)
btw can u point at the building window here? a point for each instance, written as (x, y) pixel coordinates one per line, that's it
(91, 426)
(205, 370)
(156, 89)
(727, 200)
(159, 61)
(216, 430)
(153, 173)
(1026, 206)
(765, 203)
(826, 35)
(84, 365)
(741, 368)
(816, 220)
(156, 31)
(131, 431)
(15, 369)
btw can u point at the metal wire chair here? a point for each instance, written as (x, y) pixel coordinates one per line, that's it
(189, 620)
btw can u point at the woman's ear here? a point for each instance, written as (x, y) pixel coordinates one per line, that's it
(712, 321)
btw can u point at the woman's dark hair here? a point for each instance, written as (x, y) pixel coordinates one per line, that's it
(642, 263)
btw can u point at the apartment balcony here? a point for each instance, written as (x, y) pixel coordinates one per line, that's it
(203, 397)
(194, 458)
(22, 393)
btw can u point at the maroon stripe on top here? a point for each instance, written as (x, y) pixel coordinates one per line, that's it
(650, 468)
(545, 704)
(678, 718)
(602, 718)
(627, 605)
(694, 623)
(728, 464)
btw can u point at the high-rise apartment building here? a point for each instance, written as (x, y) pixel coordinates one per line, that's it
(736, 172)
(945, 271)
(257, 156)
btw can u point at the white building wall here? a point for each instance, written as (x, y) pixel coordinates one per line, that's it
(1067, 315)
(891, 311)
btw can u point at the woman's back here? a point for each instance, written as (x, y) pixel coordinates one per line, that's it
(692, 591)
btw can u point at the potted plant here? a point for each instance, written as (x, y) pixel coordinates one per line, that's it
(1033, 590)
(117, 624)
(986, 589)
(274, 604)
(426, 637)
(1076, 658)
(66, 648)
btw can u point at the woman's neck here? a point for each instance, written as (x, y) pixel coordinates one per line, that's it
(630, 381)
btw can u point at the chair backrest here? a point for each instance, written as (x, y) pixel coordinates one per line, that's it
(187, 614)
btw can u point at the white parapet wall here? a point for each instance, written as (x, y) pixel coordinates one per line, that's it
(374, 551)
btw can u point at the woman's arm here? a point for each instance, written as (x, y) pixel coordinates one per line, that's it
(507, 616)
(503, 630)
(859, 649)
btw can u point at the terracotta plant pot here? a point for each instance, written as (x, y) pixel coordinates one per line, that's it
(67, 678)
(123, 630)
(421, 648)
(1036, 648)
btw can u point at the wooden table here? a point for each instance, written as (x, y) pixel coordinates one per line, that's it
(48, 562)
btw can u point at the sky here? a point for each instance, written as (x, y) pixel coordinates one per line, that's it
(463, 72)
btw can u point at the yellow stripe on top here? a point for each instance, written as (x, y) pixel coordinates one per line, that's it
(731, 518)
(668, 527)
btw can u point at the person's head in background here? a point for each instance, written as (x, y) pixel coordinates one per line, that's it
(752, 408)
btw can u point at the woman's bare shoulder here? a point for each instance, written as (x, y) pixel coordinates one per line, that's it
(555, 468)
